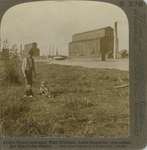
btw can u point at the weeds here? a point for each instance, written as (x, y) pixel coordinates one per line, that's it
(12, 71)
(84, 104)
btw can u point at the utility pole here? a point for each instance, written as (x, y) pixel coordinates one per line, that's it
(21, 51)
(57, 52)
(49, 53)
(116, 42)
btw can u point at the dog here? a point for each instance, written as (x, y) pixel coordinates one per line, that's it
(44, 89)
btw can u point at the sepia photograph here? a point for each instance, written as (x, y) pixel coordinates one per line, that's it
(64, 70)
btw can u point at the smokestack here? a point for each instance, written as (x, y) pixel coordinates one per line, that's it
(116, 29)
(116, 44)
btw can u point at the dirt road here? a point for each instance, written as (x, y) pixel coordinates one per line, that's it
(121, 64)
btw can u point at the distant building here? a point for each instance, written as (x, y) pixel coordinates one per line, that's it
(4, 54)
(33, 47)
(95, 43)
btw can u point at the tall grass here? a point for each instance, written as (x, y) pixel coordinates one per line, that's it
(12, 70)
(84, 104)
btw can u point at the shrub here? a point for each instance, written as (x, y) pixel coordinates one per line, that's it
(124, 53)
(12, 70)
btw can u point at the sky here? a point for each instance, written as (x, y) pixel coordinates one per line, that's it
(52, 23)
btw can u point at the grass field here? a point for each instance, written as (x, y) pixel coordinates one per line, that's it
(86, 104)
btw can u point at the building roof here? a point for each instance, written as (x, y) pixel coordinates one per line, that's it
(100, 29)
(92, 34)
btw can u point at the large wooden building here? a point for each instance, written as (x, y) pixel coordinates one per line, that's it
(95, 43)
(33, 47)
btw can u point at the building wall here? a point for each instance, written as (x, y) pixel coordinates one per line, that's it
(92, 43)
(85, 48)
(106, 45)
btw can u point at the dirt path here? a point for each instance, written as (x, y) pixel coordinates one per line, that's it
(121, 64)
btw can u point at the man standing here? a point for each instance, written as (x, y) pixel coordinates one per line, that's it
(28, 68)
